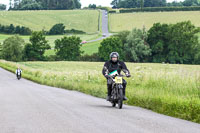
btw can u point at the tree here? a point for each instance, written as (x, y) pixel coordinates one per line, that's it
(68, 48)
(25, 31)
(16, 4)
(175, 43)
(183, 43)
(30, 5)
(2, 7)
(57, 29)
(136, 48)
(12, 48)
(10, 4)
(11, 29)
(158, 37)
(155, 3)
(114, 3)
(36, 48)
(111, 44)
(191, 3)
(123, 36)
(93, 6)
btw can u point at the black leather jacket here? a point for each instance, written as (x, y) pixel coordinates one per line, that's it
(110, 66)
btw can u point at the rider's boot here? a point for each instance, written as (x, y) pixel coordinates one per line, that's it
(108, 98)
(124, 93)
(109, 93)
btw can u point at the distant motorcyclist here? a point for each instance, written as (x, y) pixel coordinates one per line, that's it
(18, 72)
(112, 65)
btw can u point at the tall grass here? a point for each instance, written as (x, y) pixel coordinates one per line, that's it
(173, 90)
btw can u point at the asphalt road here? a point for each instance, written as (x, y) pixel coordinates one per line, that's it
(27, 107)
(105, 30)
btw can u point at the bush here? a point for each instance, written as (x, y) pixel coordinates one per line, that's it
(35, 50)
(74, 31)
(12, 48)
(57, 29)
(112, 11)
(68, 48)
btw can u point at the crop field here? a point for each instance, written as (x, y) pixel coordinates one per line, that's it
(128, 21)
(172, 90)
(85, 20)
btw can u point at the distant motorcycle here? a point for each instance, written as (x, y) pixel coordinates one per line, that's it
(18, 73)
(117, 91)
(18, 76)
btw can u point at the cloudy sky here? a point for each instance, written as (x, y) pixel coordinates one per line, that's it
(87, 2)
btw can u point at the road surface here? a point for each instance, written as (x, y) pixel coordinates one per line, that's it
(105, 30)
(27, 107)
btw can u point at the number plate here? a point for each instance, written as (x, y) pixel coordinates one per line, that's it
(118, 80)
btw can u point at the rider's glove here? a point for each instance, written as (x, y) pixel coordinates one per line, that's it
(106, 75)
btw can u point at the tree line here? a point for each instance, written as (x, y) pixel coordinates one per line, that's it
(11, 29)
(44, 4)
(151, 3)
(57, 29)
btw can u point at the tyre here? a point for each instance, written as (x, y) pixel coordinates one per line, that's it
(120, 100)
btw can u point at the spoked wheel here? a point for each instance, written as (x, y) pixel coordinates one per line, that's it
(120, 101)
(113, 104)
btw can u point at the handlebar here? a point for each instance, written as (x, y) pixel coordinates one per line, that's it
(117, 75)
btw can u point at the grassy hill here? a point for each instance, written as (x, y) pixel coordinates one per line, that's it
(85, 20)
(128, 21)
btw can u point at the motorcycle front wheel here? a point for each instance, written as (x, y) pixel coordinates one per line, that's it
(120, 100)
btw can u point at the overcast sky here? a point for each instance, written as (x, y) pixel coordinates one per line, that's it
(87, 2)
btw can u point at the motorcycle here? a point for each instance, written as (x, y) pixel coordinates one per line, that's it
(117, 91)
(18, 76)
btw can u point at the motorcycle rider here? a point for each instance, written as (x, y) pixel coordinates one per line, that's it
(18, 72)
(114, 64)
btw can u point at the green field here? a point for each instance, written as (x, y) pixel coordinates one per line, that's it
(88, 48)
(128, 21)
(173, 90)
(91, 48)
(51, 39)
(85, 20)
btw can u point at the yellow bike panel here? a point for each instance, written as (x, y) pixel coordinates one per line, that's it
(118, 80)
